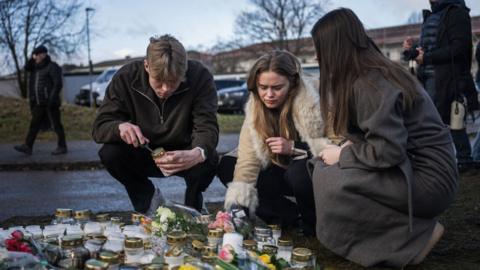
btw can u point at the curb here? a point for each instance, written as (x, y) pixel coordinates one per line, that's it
(59, 166)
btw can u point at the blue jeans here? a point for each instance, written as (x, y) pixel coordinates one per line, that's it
(476, 147)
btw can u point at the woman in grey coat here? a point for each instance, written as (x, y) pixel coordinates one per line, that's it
(377, 195)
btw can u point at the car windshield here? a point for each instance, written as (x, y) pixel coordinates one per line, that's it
(106, 76)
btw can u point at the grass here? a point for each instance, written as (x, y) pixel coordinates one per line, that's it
(77, 121)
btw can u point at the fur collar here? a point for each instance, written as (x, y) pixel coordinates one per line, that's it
(306, 117)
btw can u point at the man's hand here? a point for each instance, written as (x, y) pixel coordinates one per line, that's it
(407, 43)
(176, 161)
(419, 58)
(279, 145)
(131, 134)
(331, 154)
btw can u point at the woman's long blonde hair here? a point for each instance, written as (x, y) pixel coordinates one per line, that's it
(275, 122)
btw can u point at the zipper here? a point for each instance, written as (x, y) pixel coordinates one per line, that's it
(160, 111)
(163, 107)
(154, 104)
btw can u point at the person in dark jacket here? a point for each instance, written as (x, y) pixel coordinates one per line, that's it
(476, 142)
(164, 101)
(444, 56)
(45, 83)
(477, 57)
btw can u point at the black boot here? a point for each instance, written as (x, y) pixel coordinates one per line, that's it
(60, 150)
(24, 149)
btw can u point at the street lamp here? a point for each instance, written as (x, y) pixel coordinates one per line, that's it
(93, 103)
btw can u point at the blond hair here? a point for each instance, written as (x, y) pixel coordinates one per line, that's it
(166, 58)
(275, 123)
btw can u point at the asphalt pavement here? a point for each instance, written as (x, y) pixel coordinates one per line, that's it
(38, 184)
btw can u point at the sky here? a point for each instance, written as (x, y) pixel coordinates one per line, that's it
(123, 27)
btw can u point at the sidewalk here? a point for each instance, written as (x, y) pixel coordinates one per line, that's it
(81, 155)
(84, 154)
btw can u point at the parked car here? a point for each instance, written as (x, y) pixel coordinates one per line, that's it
(226, 83)
(99, 86)
(232, 99)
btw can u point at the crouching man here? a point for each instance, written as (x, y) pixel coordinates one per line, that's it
(166, 101)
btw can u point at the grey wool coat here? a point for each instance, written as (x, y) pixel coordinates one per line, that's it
(377, 205)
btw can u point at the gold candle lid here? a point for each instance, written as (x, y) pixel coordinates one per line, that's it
(175, 237)
(147, 244)
(99, 237)
(275, 227)
(249, 244)
(156, 266)
(133, 242)
(302, 254)
(283, 242)
(269, 249)
(217, 233)
(102, 217)
(209, 249)
(197, 245)
(82, 214)
(116, 220)
(72, 240)
(109, 257)
(209, 257)
(204, 219)
(64, 212)
(158, 152)
(93, 264)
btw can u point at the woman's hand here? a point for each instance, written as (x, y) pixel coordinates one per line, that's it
(279, 145)
(331, 154)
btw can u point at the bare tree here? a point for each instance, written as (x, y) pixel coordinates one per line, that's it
(29, 23)
(282, 23)
(415, 17)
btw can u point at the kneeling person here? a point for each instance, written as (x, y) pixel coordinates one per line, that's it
(166, 101)
(282, 128)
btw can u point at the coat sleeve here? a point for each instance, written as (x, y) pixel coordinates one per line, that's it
(205, 125)
(380, 118)
(458, 31)
(111, 113)
(248, 165)
(55, 73)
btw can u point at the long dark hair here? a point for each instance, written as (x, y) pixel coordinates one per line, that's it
(345, 53)
(275, 122)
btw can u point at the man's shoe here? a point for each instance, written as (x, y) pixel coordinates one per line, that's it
(60, 150)
(24, 149)
(157, 201)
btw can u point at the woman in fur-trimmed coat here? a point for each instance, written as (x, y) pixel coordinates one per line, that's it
(282, 128)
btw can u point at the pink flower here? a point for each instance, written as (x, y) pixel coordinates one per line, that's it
(221, 220)
(226, 254)
(23, 247)
(18, 235)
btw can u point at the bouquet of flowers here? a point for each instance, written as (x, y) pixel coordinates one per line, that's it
(19, 243)
(167, 220)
